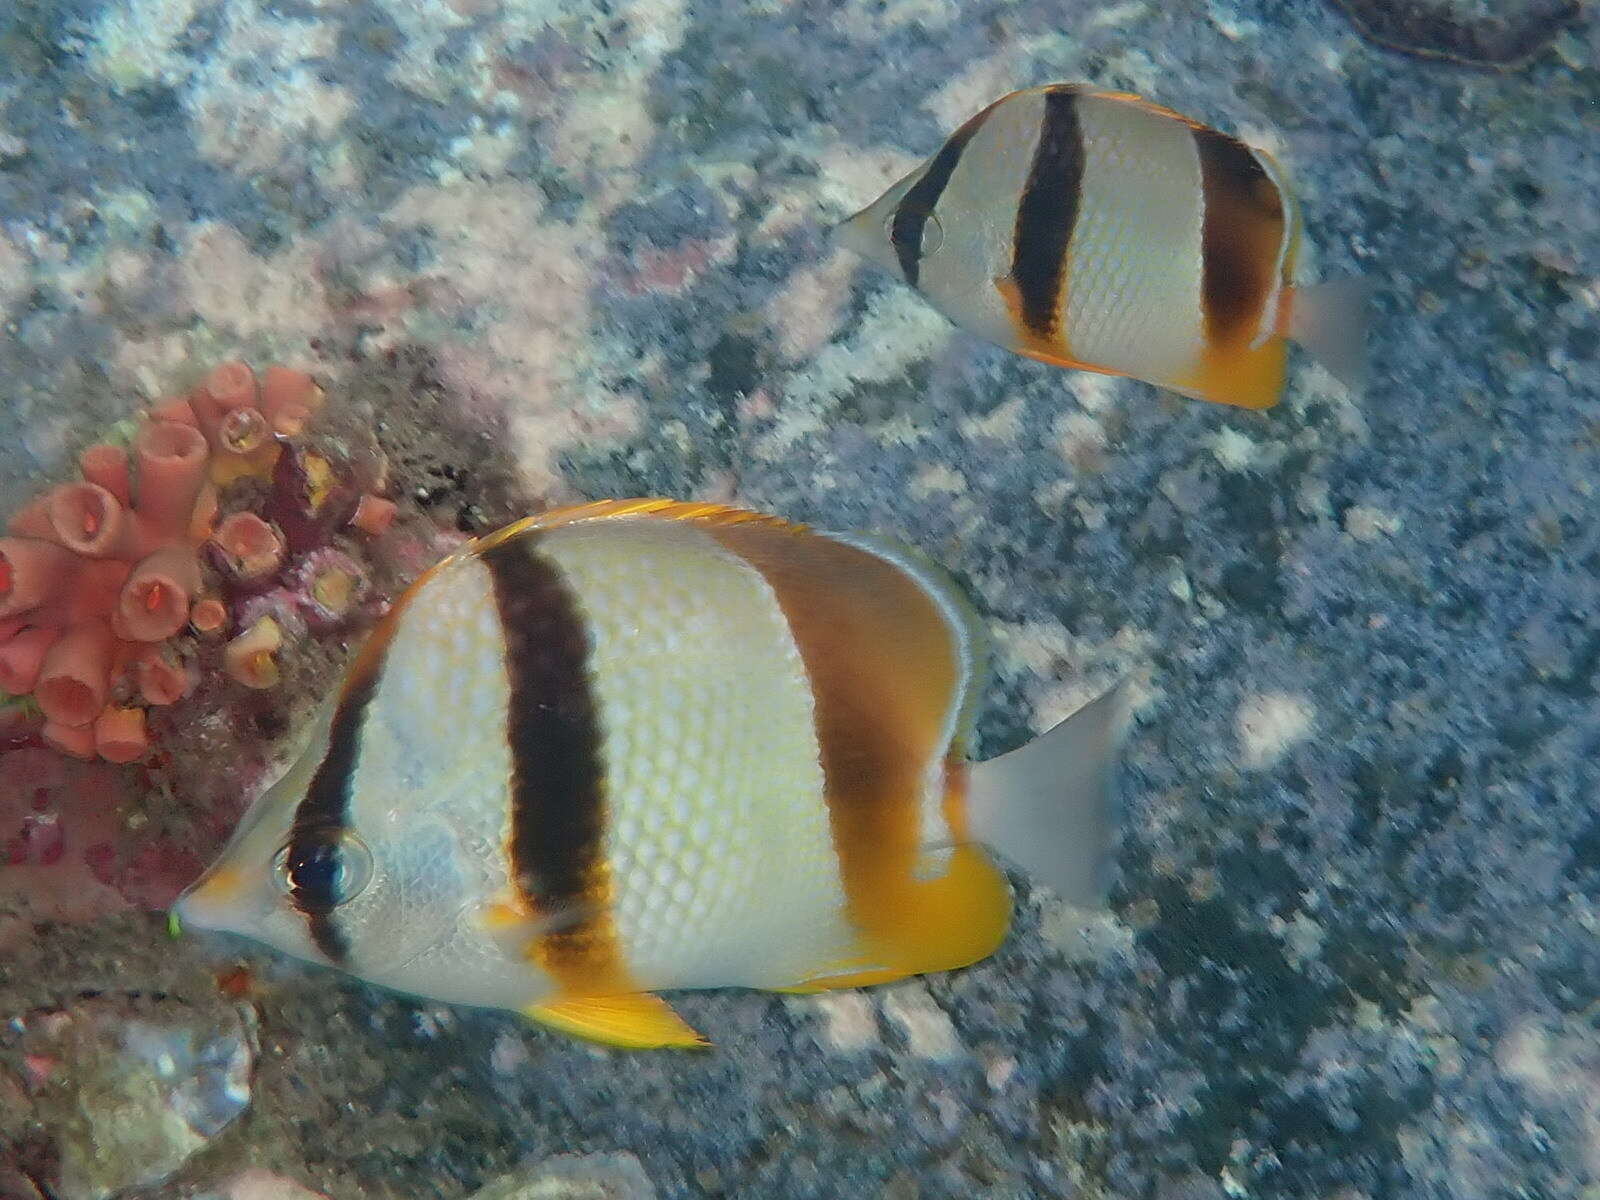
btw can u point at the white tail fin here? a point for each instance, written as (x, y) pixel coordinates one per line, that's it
(1049, 806)
(1330, 320)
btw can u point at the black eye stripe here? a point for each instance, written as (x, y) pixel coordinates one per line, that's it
(916, 206)
(323, 869)
(324, 811)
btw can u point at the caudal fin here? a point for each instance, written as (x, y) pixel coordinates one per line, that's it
(1330, 320)
(1049, 806)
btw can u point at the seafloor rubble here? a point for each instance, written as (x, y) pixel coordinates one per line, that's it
(539, 252)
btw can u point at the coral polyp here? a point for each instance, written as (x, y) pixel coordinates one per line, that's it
(249, 660)
(251, 549)
(117, 588)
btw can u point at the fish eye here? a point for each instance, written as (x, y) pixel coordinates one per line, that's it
(319, 871)
(932, 232)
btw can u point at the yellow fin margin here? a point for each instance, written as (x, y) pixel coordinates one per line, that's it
(834, 983)
(636, 1021)
(670, 510)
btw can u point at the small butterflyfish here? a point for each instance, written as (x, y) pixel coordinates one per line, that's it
(1095, 230)
(643, 745)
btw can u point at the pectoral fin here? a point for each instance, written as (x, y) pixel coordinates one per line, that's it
(518, 931)
(636, 1021)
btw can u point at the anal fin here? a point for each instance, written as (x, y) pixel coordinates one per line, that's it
(852, 979)
(635, 1021)
(857, 970)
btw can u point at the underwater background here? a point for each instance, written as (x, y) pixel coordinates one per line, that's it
(542, 251)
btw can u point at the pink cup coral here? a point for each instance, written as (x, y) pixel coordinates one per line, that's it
(98, 577)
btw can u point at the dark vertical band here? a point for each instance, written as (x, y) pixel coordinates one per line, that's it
(324, 811)
(1047, 213)
(553, 730)
(916, 206)
(1240, 236)
(881, 660)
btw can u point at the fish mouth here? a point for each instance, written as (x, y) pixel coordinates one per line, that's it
(217, 900)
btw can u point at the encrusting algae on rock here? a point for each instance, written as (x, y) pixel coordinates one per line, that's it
(112, 586)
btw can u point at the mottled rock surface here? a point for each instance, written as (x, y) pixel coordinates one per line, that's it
(1488, 32)
(114, 1092)
(1353, 944)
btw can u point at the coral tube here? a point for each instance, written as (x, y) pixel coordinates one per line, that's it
(373, 514)
(231, 385)
(253, 549)
(92, 592)
(285, 385)
(76, 740)
(288, 398)
(204, 517)
(161, 679)
(154, 603)
(208, 616)
(32, 572)
(32, 520)
(87, 519)
(107, 466)
(244, 445)
(177, 412)
(248, 658)
(290, 420)
(119, 734)
(21, 656)
(172, 466)
(243, 431)
(75, 676)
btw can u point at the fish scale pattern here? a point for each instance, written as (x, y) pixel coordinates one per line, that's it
(1133, 270)
(717, 838)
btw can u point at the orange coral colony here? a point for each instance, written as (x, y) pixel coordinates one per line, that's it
(98, 576)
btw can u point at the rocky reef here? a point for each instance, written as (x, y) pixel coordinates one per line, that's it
(536, 253)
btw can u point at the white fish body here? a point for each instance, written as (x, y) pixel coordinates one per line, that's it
(642, 745)
(1094, 230)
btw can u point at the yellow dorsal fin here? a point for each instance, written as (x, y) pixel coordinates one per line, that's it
(636, 1021)
(1149, 106)
(669, 510)
(1089, 92)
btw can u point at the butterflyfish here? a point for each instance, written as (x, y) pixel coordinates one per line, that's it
(644, 745)
(1095, 230)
